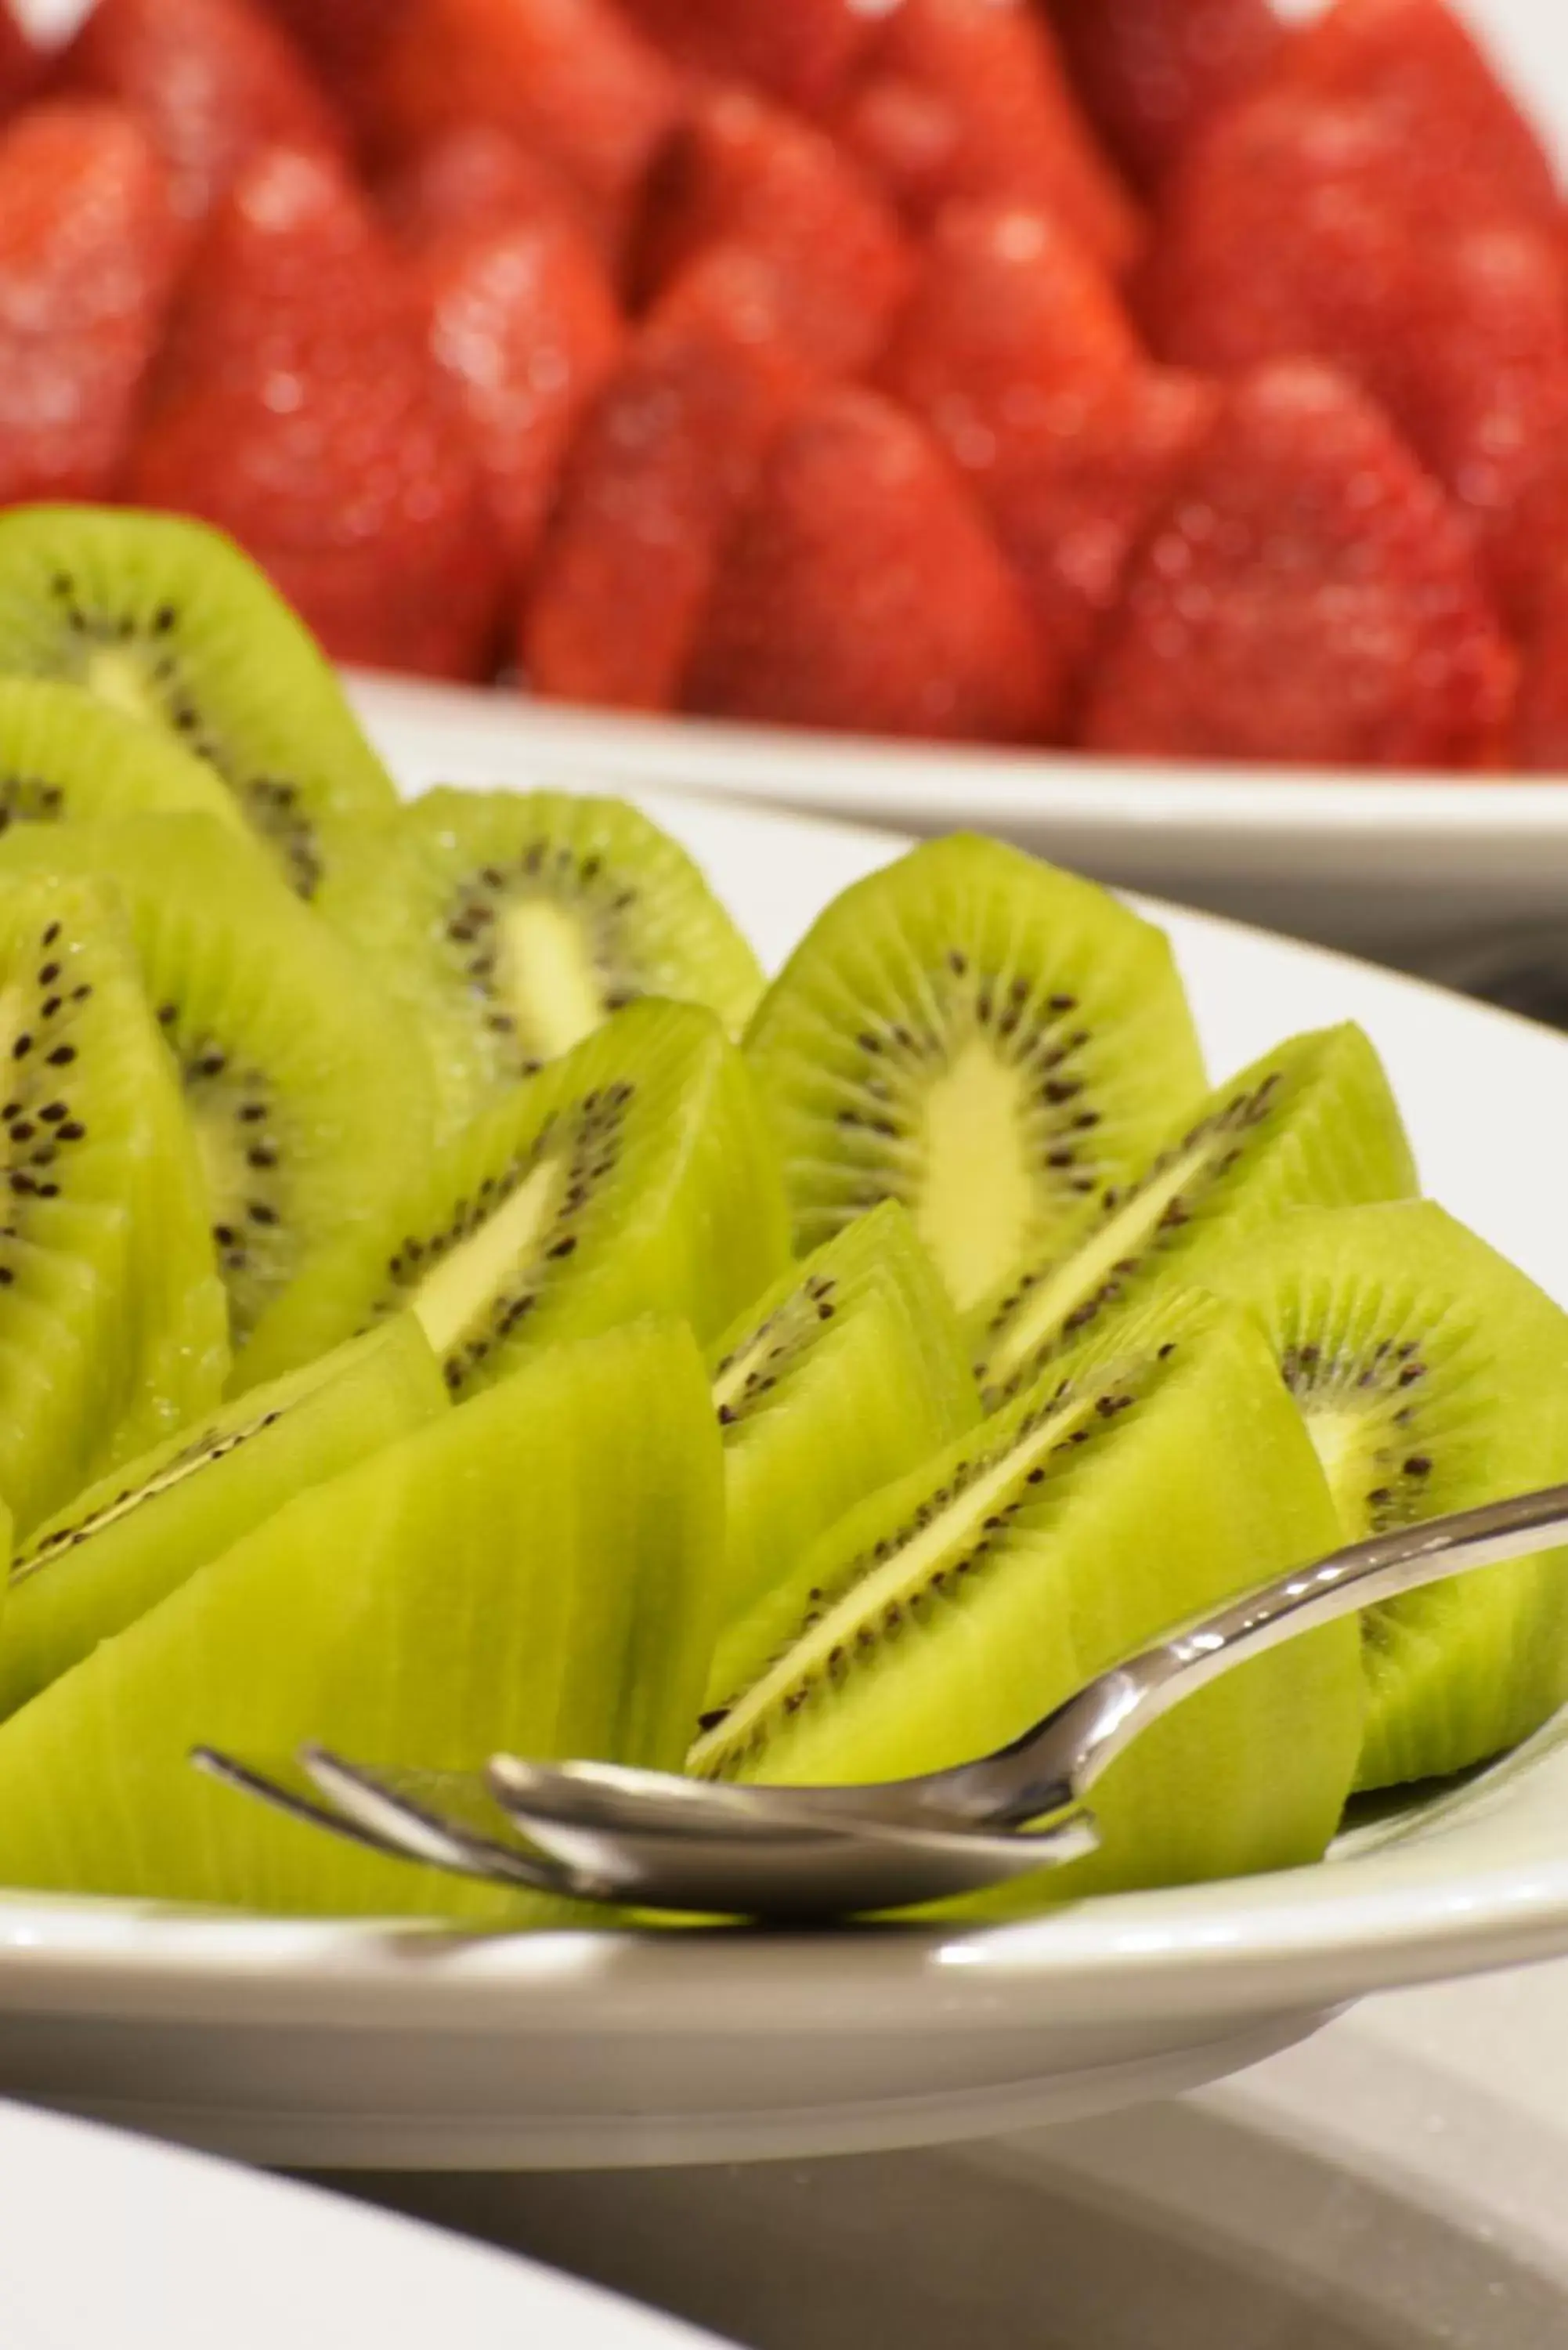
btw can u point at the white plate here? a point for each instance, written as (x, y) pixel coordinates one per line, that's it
(113, 2244)
(327, 2044)
(1403, 868)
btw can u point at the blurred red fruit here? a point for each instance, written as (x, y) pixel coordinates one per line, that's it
(968, 97)
(570, 78)
(1307, 595)
(212, 81)
(473, 178)
(298, 409)
(1541, 729)
(743, 172)
(86, 255)
(799, 51)
(658, 473)
(342, 38)
(861, 591)
(1152, 72)
(22, 64)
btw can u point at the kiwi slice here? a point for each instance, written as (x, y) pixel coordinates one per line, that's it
(112, 1315)
(634, 1175)
(536, 1572)
(949, 1612)
(983, 1037)
(1433, 1376)
(169, 621)
(512, 924)
(66, 758)
(1312, 1124)
(849, 1371)
(309, 1098)
(133, 1537)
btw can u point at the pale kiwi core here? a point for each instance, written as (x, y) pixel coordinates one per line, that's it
(456, 1297)
(977, 1205)
(547, 975)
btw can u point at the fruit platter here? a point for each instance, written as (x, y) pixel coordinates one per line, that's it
(454, 1301)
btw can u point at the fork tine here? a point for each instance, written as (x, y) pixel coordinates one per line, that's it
(443, 1818)
(274, 1784)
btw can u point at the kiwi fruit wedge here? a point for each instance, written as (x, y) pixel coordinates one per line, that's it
(634, 1175)
(168, 621)
(65, 758)
(133, 1537)
(1432, 1376)
(512, 924)
(850, 1370)
(112, 1312)
(536, 1572)
(309, 1098)
(981, 1037)
(1165, 1472)
(1312, 1124)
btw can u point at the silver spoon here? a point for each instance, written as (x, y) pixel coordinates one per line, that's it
(601, 1832)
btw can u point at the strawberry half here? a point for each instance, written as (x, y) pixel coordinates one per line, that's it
(1308, 595)
(799, 51)
(212, 81)
(1152, 72)
(740, 171)
(968, 97)
(297, 408)
(87, 256)
(862, 592)
(473, 178)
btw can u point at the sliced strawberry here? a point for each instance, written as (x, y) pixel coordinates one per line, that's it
(570, 78)
(86, 255)
(800, 51)
(1415, 63)
(472, 178)
(1152, 72)
(1308, 595)
(525, 323)
(862, 592)
(343, 39)
(660, 470)
(1541, 728)
(22, 64)
(740, 171)
(211, 80)
(298, 409)
(968, 97)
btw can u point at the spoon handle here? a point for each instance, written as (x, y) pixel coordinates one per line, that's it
(1055, 1764)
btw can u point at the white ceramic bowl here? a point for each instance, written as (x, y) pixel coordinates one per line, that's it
(339, 2044)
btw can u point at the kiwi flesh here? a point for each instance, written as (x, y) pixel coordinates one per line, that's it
(1432, 1376)
(634, 1175)
(983, 1037)
(536, 1572)
(1312, 1124)
(512, 924)
(847, 1373)
(66, 758)
(309, 1098)
(170, 622)
(132, 1538)
(112, 1312)
(951, 1611)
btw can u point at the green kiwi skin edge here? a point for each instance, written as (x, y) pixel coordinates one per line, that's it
(1032, 1553)
(846, 1374)
(127, 1542)
(1432, 1376)
(535, 1572)
(985, 1039)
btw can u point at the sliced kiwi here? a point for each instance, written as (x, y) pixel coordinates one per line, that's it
(1312, 1124)
(1433, 1376)
(112, 1315)
(310, 1100)
(131, 1539)
(512, 924)
(169, 621)
(850, 1370)
(984, 1038)
(66, 758)
(534, 1573)
(949, 1613)
(634, 1175)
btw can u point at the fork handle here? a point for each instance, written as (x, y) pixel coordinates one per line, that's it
(1055, 1764)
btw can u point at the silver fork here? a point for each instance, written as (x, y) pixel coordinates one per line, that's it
(601, 1832)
